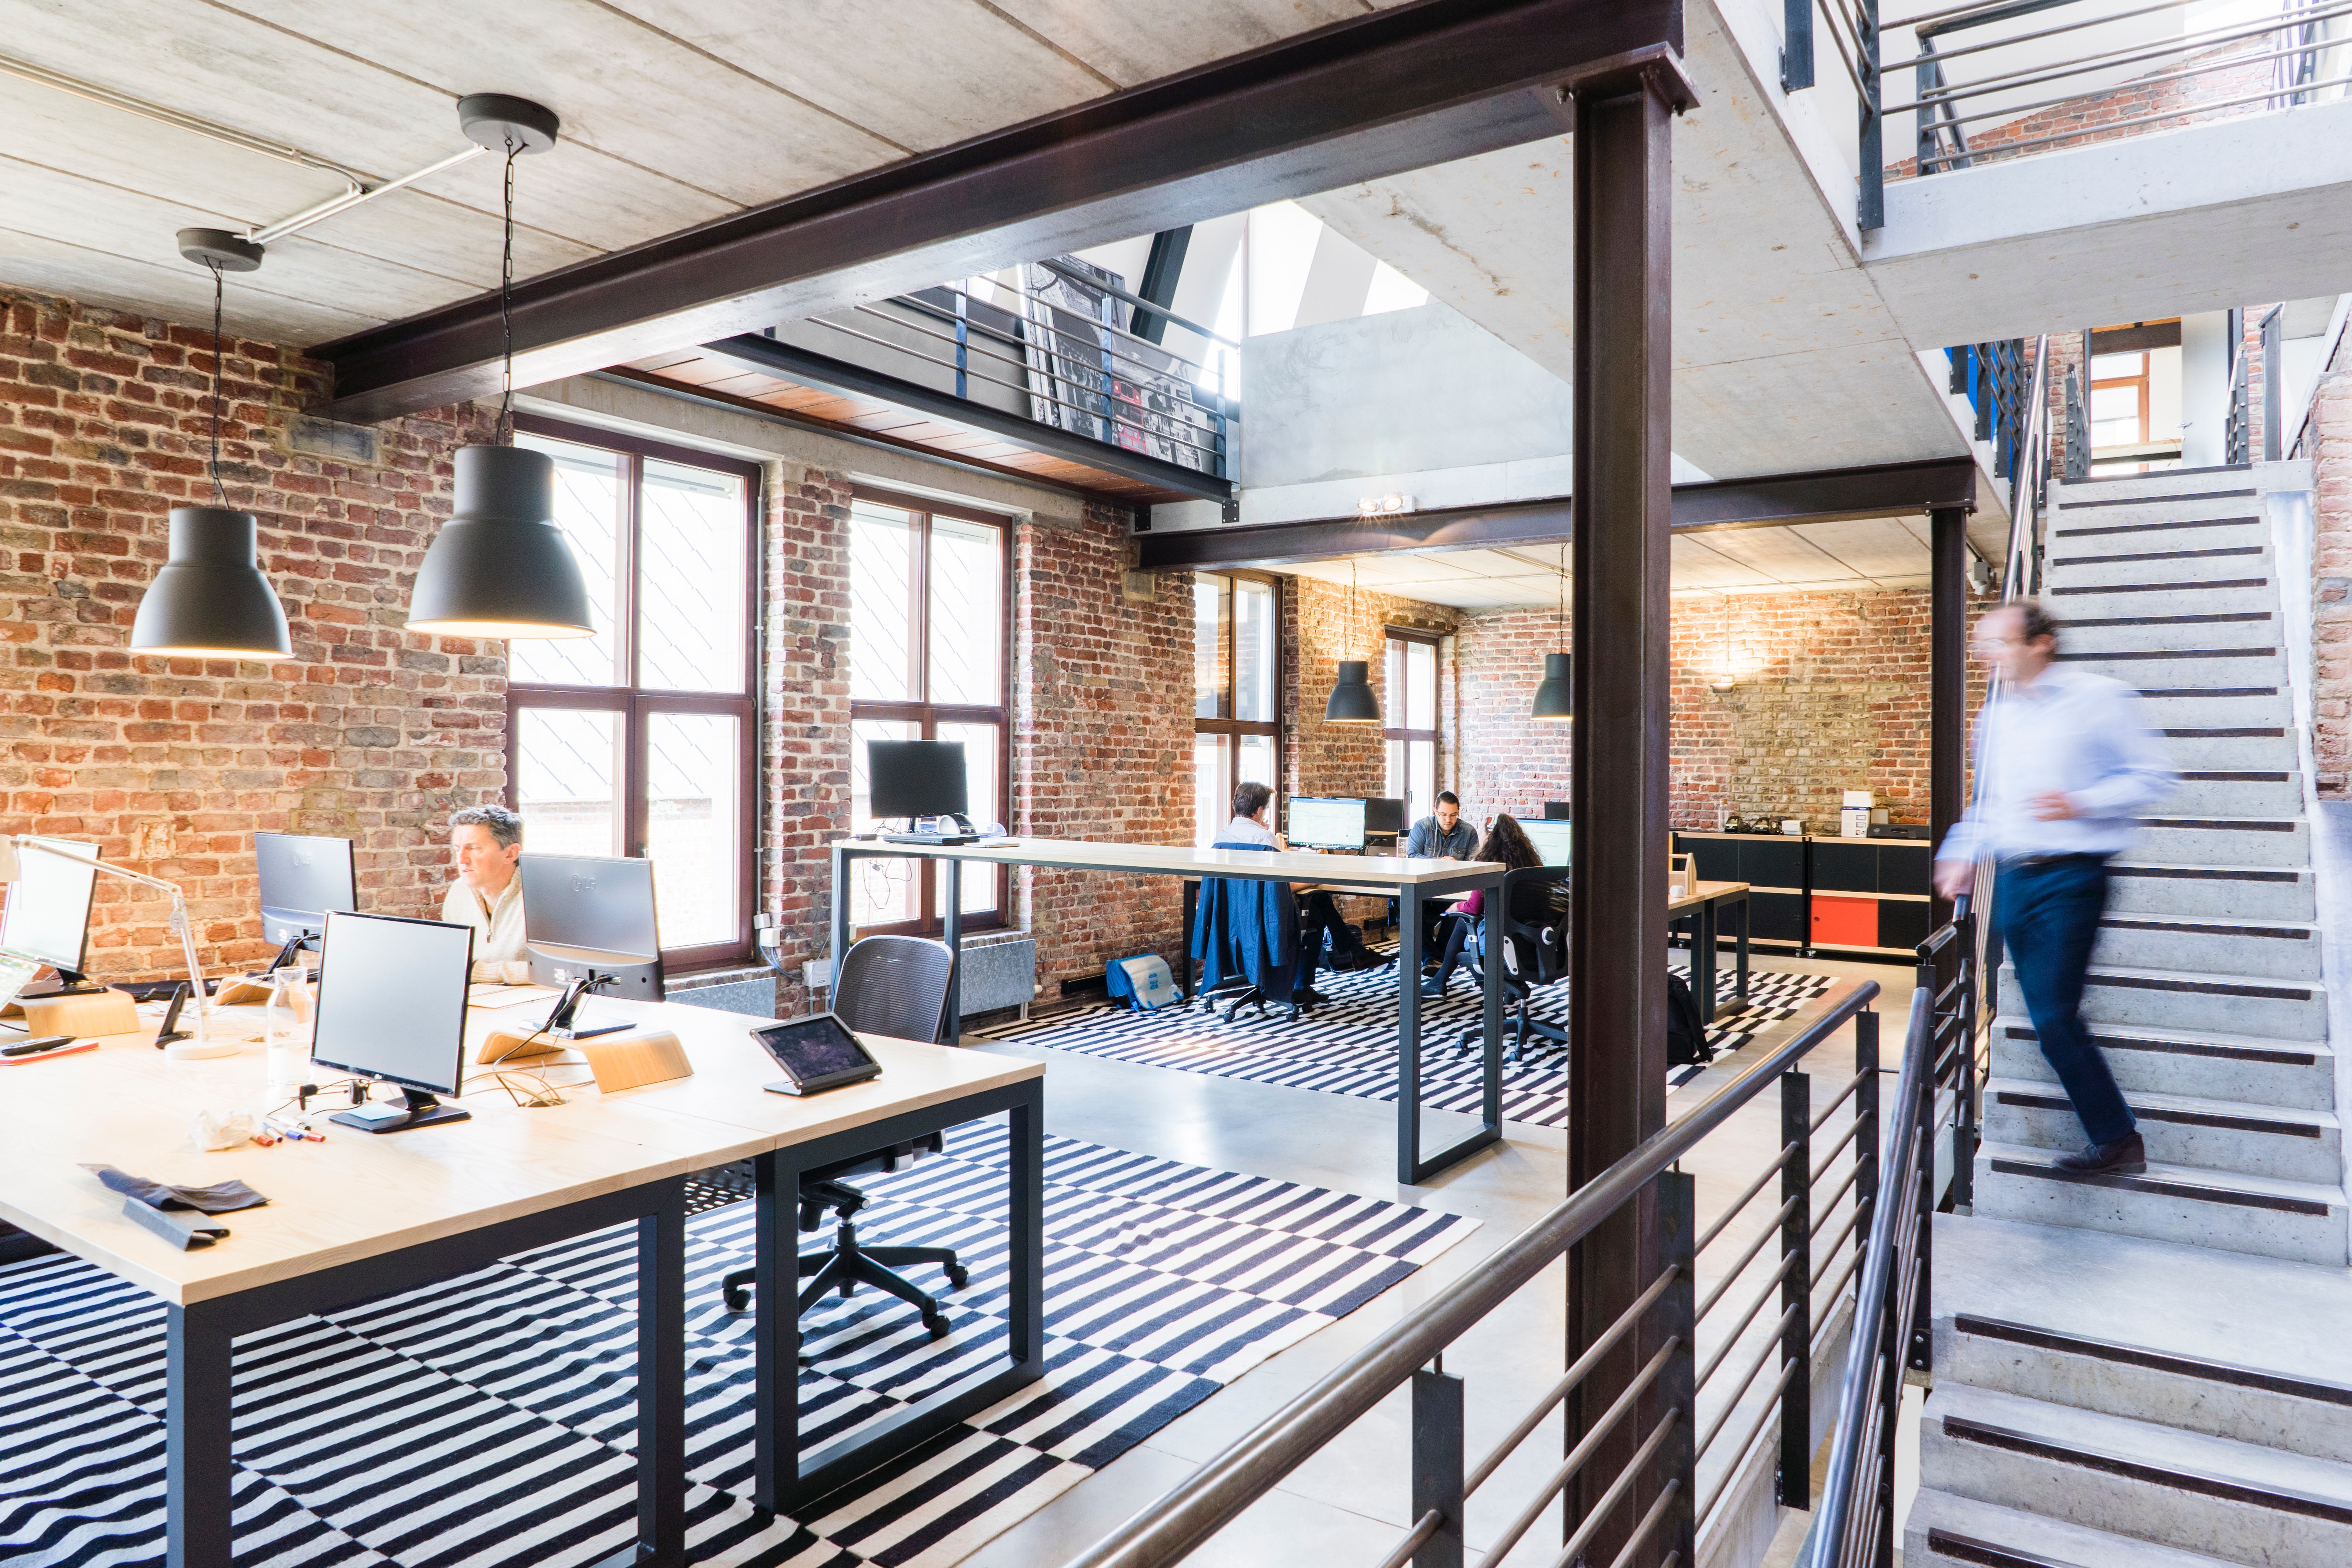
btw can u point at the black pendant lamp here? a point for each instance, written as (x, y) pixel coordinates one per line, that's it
(1353, 701)
(210, 599)
(501, 567)
(1555, 701)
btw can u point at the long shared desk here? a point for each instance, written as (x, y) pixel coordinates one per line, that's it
(365, 1213)
(1408, 881)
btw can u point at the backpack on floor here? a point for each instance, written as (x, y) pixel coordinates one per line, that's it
(1143, 981)
(1686, 1035)
(1347, 951)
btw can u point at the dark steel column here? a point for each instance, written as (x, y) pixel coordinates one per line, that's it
(1948, 676)
(1617, 1027)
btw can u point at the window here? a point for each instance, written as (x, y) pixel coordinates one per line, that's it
(929, 623)
(1409, 711)
(1237, 717)
(2119, 400)
(641, 740)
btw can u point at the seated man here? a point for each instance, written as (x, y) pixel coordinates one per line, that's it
(486, 841)
(1440, 836)
(1316, 916)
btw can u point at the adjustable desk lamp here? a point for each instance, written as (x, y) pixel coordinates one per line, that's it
(198, 1046)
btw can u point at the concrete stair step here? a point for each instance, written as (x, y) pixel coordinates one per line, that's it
(2298, 1074)
(2131, 632)
(2155, 525)
(2236, 593)
(2235, 892)
(2241, 1502)
(2190, 562)
(2176, 999)
(2179, 1130)
(2225, 484)
(2268, 1216)
(1948, 1531)
(2186, 669)
(2216, 1343)
(2221, 841)
(2276, 950)
(2258, 703)
(2204, 748)
(2235, 792)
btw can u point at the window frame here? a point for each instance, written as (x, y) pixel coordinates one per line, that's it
(1434, 735)
(636, 705)
(2141, 384)
(1234, 729)
(927, 716)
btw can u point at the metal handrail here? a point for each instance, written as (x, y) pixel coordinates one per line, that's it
(2025, 480)
(1214, 1495)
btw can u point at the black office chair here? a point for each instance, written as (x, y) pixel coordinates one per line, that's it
(1236, 988)
(1533, 953)
(894, 985)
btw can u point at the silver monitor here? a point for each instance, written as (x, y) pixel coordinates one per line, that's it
(1550, 837)
(1319, 822)
(47, 915)
(392, 1007)
(592, 911)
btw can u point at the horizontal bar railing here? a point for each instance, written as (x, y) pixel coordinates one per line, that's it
(1412, 1350)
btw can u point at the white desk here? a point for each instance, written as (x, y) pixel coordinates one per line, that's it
(364, 1213)
(1408, 881)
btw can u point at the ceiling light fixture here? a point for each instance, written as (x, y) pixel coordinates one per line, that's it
(1555, 701)
(501, 567)
(1352, 700)
(209, 599)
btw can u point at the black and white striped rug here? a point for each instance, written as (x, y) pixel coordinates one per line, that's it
(1349, 1046)
(489, 1420)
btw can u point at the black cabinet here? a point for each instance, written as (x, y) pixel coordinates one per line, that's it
(1820, 893)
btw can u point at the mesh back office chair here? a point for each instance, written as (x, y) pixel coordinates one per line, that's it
(894, 985)
(1533, 953)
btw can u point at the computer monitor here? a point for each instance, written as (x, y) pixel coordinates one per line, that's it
(915, 778)
(392, 1008)
(303, 878)
(1556, 811)
(47, 915)
(1383, 817)
(1550, 837)
(591, 915)
(1320, 822)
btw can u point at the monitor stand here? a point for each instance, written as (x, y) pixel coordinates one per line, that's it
(420, 1110)
(561, 1024)
(68, 982)
(294, 944)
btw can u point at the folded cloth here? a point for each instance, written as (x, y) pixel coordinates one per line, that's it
(220, 1197)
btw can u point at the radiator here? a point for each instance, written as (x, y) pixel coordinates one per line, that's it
(1000, 975)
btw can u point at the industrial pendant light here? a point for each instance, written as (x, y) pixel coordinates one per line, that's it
(210, 599)
(1354, 701)
(1555, 704)
(501, 567)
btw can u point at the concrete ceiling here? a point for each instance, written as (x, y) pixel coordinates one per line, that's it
(675, 112)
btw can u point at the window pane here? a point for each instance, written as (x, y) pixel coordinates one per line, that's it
(887, 888)
(1254, 764)
(568, 773)
(690, 590)
(1420, 687)
(1393, 702)
(1394, 783)
(1421, 777)
(1212, 608)
(693, 773)
(588, 508)
(982, 772)
(967, 570)
(1213, 796)
(1253, 645)
(2105, 366)
(881, 628)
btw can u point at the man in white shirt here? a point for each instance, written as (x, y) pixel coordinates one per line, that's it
(486, 841)
(2063, 761)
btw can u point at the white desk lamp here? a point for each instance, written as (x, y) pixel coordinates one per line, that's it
(198, 1046)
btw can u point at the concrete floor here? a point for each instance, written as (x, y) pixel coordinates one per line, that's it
(1348, 1504)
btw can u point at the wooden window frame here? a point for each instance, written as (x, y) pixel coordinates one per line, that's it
(1234, 729)
(927, 716)
(2142, 383)
(1436, 734)
(636, 705)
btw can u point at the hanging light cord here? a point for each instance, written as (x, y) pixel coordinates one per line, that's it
(218, 493)
(504, 434)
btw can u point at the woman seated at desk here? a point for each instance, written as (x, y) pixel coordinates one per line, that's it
(1506, 842)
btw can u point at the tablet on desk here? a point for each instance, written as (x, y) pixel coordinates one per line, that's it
(817, 1053)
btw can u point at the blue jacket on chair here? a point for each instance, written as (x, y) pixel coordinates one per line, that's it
(1246, 927)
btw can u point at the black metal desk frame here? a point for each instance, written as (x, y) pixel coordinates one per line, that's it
(1704, 921)
(1412, 1167)
(199, 1469)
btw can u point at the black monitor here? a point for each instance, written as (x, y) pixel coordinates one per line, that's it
(916, 778)
(590, 921)
(1556, 811)
(303, 878)
(1320, 822)
(1550, 838)
(47, 915)
(1384, 818)
(392, 1008)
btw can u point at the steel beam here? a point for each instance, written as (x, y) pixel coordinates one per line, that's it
(1948, 676)
(1622, 426)
(1405, 88)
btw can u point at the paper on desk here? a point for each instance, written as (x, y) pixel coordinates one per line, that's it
(492, 996)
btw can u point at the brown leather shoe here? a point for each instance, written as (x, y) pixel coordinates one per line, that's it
(2126, 1156)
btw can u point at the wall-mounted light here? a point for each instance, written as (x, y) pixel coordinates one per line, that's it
(1390, 505)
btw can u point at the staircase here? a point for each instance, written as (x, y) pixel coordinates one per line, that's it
(2157, 1369)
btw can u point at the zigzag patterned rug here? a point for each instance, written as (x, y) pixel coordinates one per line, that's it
(488, 1421)
(1349, 1046)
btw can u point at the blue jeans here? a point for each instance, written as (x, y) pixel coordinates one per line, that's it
(2047, 913)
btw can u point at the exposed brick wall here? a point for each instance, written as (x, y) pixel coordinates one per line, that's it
(1509, 762)
(367, 732)
(2330, 450)
(1319, 628)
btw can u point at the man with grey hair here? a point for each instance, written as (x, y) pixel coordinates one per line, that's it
(486, 841)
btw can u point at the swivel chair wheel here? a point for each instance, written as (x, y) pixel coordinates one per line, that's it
(938, 1323)
(958, 1277)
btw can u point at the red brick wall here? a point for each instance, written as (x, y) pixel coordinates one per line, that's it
(170, 765)
(1319, 628)
(2330, 451)
(1509, 762)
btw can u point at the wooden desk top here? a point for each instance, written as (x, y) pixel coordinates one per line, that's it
(361, 1194)
(1705, 893)
(1178, 861)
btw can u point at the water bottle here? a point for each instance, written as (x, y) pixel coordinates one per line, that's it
(287, 1028)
